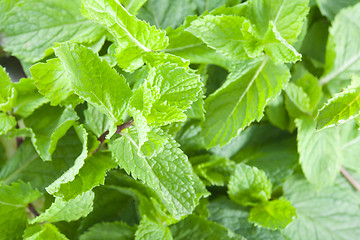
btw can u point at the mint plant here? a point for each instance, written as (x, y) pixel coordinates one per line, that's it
(191, 119)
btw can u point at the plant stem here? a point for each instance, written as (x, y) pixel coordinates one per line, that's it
(350, 178)
(33, 210)
(118, 130)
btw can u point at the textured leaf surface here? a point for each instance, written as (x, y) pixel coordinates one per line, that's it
(96, 121)
(276, 214)
(169, 173)
(109, 231)
(148, 230)
(6, 123)
(320, 152)
(48, 125)
(43, 232)
(249, 186)
(91, 174)
(287, 16)
(72, 210)
(195, 227)
(94, 80)
(133, 6)
(235, 217)
(134, 37)
(13, 201)
(331, 213)
(341, 107)
(343, 56)
(31, 39)
(231, 35)
(52, 81)
(166, 93)
(242, 99)
(28, 98)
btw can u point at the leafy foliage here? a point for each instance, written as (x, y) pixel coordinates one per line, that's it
(189, 119)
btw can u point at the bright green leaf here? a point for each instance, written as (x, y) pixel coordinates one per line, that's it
(342, 107)
(7, 91)
(31, 28)
(149, 230)
(330, 8)
(94, 80)
(72, 210)
(6, 123)
(249, 186)
(43, 232)
(276, 214)
(134, 37)
(242, 99)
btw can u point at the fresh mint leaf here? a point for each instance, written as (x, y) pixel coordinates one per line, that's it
(96, 82)
(72, 210)
(341, 107)
(110, 231)
(249, 186)
(149, 230)
(166, 172)
(241, 99)
(52, 81)
(330, 8)
(199, 228)
(134, 37)
(43, 232)
(31, 28)
(342, 54)
(133, 6)
(6, 123)
(7, 91)
(276, 214)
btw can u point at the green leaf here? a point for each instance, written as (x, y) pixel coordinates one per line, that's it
(43, 232)
(342, 107)
(28, 166)
(134, 37)
(242, 99)
(278, 48)
(31, 39)
(72, 210)
(91, 174)
(233, 36)
(213, 169)
(332, 213)
(149, 230)
(320, 155)
(109, 231)
(330, 8)
(28, 98)
(287, 16)
(94, 80)
(249, 186)
(168, 172)
(48, 125)
(166, 93)
(235, 217)
(13, 201)
(187, 46)
(7, 91)
(133, 6)
(195, 227)
(52, 81)
(6, 123)
(277, 114)
(343, 54)
(276, 214)
(167, 13)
